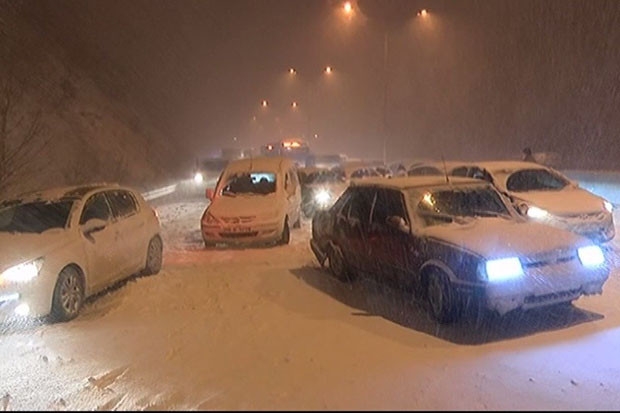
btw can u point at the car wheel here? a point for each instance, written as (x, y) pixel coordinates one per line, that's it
(441, 297)
(68, 295)
(154, 256)
(337, 265)
(285, 238)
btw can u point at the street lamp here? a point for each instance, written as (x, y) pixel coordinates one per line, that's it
(328, 69)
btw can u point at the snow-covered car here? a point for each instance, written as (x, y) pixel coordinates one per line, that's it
(546, 195)
(256, 200)
(60, 246)
(457, 244)
(539, 193)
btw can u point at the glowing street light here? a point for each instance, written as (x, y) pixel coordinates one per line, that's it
(264, 103)
(328, 69)
(294, 105)
(348, 9)
(292, 71)
(423, 13)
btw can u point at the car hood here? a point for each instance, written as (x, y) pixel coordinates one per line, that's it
(498, 237)
(568, 201)
(245, 205)
(16, 248)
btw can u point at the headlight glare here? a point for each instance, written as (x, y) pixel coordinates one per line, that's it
(536, 213)
(22, 273)
(198, 178)
(503, 269)
(322, 197)
(608, 206)
(591, 256)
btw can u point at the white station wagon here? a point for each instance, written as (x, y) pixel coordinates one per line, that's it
(59, 246)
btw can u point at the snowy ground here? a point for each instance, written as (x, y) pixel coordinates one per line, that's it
(264, 328)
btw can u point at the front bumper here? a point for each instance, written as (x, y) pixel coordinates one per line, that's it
(29, 300)
(543, 286)
(242, 234)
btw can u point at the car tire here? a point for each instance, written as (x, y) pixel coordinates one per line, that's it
(337, 264)
(68, 295)
(441, 298)
(285, 238)
(154, 256)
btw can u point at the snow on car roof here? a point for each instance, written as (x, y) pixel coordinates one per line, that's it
(405, 182)
(497, 166)
(263, 163)
(73, 191)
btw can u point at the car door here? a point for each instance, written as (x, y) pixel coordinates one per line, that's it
(355, 229)
(388, 244)
(130, 226)
(103, 253)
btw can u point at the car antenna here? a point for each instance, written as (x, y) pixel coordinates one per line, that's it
(445, 169)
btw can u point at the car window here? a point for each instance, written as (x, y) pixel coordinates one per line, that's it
(35, 217)
(250, 183)
(389, 202)
(96, 207)
(424, 170)
(445, 204)
(460, 171)
(535, 180)
(361, 204)
(123, 203)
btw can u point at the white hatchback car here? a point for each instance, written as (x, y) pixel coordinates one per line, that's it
(60, 246)
(256, 200)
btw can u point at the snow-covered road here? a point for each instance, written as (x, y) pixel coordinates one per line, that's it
(264, 328)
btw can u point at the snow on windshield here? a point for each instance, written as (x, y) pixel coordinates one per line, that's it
(535, 180)
(259, 183)
(35, 217)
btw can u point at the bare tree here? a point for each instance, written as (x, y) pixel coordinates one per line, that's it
(21, 134)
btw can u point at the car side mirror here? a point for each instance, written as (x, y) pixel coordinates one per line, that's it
(210, 194)
(93, 225)
(398, 223)
(522, 208)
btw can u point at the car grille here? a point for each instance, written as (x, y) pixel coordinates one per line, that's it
(238, 234)
(552, 297)
(239, 220)
(549, 258)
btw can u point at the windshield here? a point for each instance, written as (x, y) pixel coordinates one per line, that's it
(440, 206)
(536, 180)
(256, 183)
(35, 217)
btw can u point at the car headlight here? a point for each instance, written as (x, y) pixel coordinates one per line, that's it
(209, 218)
(322, 197)
(591, 256)
(22, 273)
(536, 213)
(503, 269)
(608, 206)
(198, 178)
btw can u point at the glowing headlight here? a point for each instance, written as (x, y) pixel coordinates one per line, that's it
(322, 197)
(608, 206)
(536, 213)
(591, 256)
(23, 272)
(198, 178)
(503, 269)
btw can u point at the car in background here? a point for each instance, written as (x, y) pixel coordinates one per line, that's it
(320, 188)
(62, 245)
(546, 195)
(256, 200)
(456, 244)
(541, 193)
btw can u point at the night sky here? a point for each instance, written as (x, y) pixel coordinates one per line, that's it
(472, 79)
